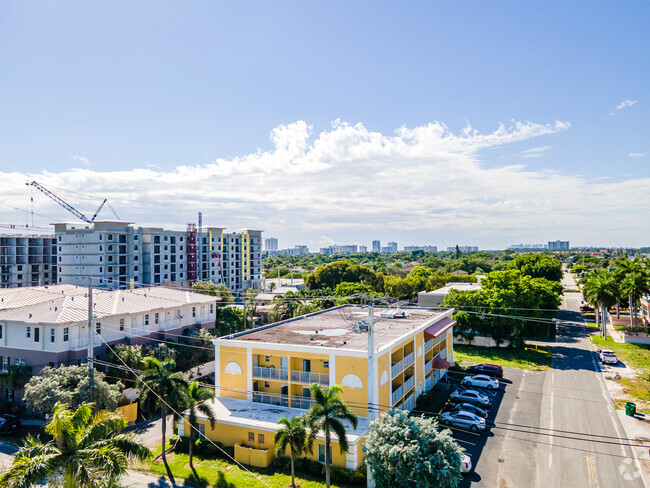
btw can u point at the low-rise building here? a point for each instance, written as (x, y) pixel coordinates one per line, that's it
(48, 325)
(265, 373)
(436, 298)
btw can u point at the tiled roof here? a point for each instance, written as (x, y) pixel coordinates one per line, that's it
(63, 304)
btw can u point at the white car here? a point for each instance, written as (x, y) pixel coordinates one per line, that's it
(482, 380)
(469, 396)
(466, 464)
(607, 356)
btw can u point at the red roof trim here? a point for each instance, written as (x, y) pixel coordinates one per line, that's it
(439, 328)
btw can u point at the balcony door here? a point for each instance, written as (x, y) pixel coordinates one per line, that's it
(284, 363)
(306, 365)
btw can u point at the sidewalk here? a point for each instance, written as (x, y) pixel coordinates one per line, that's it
(638, 428)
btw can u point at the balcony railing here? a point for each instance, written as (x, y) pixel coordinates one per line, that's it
(428, 366)
(428, 345)
(410, 383)
(397, 368)
(428, 383)
(82, 342)
(270, 399)
(408, 360)
(397, 394)
(301, 402)
(308, 377)
(409, 403)
(443, 353)
(270, 373)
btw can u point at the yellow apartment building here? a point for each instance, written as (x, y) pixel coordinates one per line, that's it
(382, 357)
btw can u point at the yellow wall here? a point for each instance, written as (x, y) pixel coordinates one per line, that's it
(357, 398)
(383, 364)
(231, 382)
(275, 358)
(261, 458)
(230, 435)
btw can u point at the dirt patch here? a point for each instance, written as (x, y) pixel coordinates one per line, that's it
(170, 457)
(617, 390)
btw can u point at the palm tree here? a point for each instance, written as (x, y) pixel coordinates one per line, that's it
(86, 447)
(636, 285)
(294, 435)
(624, 268)
(16, 377)
(161, 388)
(600, 290)
(196, 396)
(328, 414)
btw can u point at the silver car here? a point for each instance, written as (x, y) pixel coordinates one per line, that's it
(470, 396)
(466, 420)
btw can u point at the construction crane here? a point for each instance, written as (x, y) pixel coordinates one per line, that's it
(69, 207)
(27, 227)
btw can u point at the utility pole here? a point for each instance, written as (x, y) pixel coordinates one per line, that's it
(91, 349)
(373, 382)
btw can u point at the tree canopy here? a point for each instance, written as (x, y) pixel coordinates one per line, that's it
(538, 265)
(402, 450)
(70, 385)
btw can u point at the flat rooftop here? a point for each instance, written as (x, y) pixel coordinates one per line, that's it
(452, 286)
(261, 415)
(335, 327)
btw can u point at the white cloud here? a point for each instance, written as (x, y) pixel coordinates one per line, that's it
(625, 103)
(82, 160)
(533, 152)
(350, 184)
(637, 155)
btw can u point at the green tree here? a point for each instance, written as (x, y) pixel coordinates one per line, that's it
(195, 404)
(86, 448)
(132, 355)
(16, 377)
(538, 265)
(330, 275)
(403, 450)
(626, 267)
(636, 285)
(292, 434)
(70, 385)
(328, 414)
(599, 289)
(160, 388)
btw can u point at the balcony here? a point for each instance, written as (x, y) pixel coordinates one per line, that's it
(82, 342)
(428, 383)
(410, 383)
(397, 394)
(310, 378)
(443, 353)
(409, 403)
(428, 366)
(408, 360)
(270, 373)
(397, 368)
(270, 399)
(301, 402)
(428, 345)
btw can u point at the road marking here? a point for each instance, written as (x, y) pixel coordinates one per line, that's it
(591, 470)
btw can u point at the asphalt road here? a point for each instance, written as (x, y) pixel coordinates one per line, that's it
(554, 428)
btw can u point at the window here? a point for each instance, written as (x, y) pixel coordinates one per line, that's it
(121, 324)
(19, 362)
(260, 438)
(267, 384)
(321, 453)
(326, 364)
(251, 437)
(193, 311)
(146, 319)
(155, 318)
(52, 335)
(98, 327)
(0, 331)
(37, 334)
(267, 358)
(110, 237)
(66, 334)
(201, 431)
(211, 311)
(5, 363)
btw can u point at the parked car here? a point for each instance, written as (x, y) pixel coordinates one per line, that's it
(607, 356)
(468, 407)
(482, 380)
(466, 420)
(469, 396)
(466, 464)
(487, 369)
(586, 308)
(9, 424)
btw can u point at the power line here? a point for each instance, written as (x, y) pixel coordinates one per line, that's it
(140, 381)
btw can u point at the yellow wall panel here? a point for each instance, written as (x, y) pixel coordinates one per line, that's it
(357, 398)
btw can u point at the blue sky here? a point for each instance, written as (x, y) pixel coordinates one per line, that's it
(108, 97)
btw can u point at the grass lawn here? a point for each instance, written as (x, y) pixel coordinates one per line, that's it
(219, 473)
(636, 356)
(592, 325)
(536, 360)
